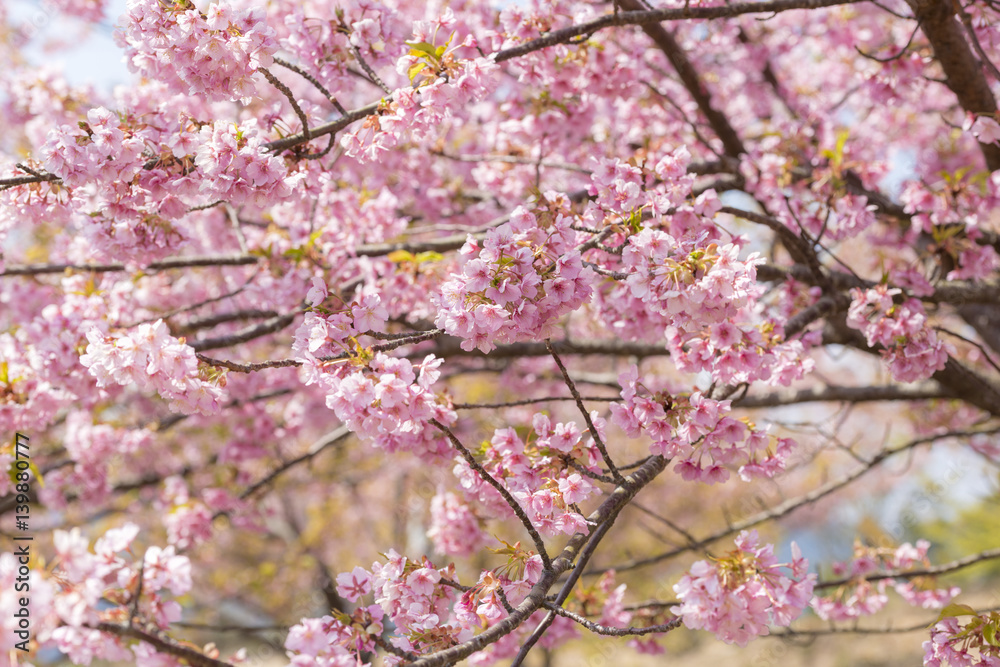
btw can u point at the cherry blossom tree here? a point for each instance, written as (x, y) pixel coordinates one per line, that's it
(443, 331)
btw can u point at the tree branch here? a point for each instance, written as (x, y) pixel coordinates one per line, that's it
(953, 566)
(692, 82)
(920, 392)
(162, 265)
(243, 335)
(610, 631)
(919, 627)
(501, 489)
(598, 442)
(792, 504)
(328, 440)
(162, 643)
(536, 596)
(962, 382)
(963, 74)
(588, 28)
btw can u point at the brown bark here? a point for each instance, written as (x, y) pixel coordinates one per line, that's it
(963, 73)
(692, 81)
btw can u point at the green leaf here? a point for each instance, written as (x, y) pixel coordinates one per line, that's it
(953, 610)
(400, 256)
(990, 634)
(428, 256)
(13, 470)
(422, 49)
(415, 70)
(836, 156)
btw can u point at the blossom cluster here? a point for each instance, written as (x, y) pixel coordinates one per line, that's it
(430, 610)
(697, 433)
(390, 401)
(861, 597)
(537, 473)
(407, 593)
(454, 528)
(133, 215)
(526, 274)
(237, 167)
(682, 281)
(87, 587)
(416, 114)
(101, 149)
(702, 295)
(983, 127)
(387, 399)
(912, 351)
(693, 285)
(41, 357)
(214, 54)
(92, 448)
(739, 595)
(149, 357)
(956, 644)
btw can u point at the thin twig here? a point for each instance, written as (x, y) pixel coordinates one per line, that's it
(978, 346)
(367, 68)
(934, 571)
(162, 265)
(287, 92)
(919, 627)
(529, 401)
(501, 489)
(598, 441)
(794, 504)
(313, 80)
(610, 631)
(971, 32)
(328, 440)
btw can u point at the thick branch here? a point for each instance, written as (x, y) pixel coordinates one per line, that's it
(796, 246)
(26, 180)
(963, 74)
(214, 320)
(844, 394)
(692, 81)
(588, 28)
(449, 346)
(827, 305)
(962, 382)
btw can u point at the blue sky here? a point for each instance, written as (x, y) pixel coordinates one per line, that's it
(94, 59)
